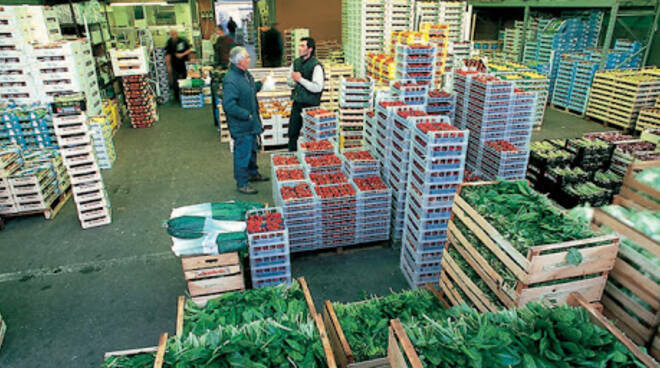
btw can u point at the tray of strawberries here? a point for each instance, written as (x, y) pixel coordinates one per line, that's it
(284, 160)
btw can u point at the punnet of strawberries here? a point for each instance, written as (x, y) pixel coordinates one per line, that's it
(289, 174)
(265, 223)
(369, 183)
(359, 156)
(326, 178)
(299, 191)
(323, 145)
(323, 160)
(502, 146)
(335, 191)
(285, 160)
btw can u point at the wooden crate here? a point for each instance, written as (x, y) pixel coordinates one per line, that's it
(638, 320)
(640, 194)
(3, 331)
(401, 342)
(210, 276)
(654, 349)
(158, 350)
(339, 344)
(537, 266)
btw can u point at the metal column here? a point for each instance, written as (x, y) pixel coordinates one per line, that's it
(652, 30)
(526, 20)
(610, 31)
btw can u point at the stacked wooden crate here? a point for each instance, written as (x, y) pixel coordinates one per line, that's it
(617, 97)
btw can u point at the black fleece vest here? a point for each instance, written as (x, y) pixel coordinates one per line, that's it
(306, 69)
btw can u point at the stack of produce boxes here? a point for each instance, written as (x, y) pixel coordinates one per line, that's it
(398, 18)
(493, 110)
(426, 12)
(410, 91)
(111, 110)
(370, 132)
(140, 101)
(27, 126)
(20, 27)
(438, 35)
(453, 14)
(161, 74)
(10, 162)
(362, 31)
(374, 198)
(34, 188)
(436, 170)
(385, 113)
(381, 68)
(502, 159)
(440, 102)
(649, 118)
(334, 73)
(75, 143)
(104, 148)
(191, 97)
(416, 62)
(268, 243)
(51, 159)
(337, 204)
(355, 99)
(274, 106)
(319, 124)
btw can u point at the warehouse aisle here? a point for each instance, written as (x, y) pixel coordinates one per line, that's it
(69, 295)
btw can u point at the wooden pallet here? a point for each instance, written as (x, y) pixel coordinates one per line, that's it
(640, 194)
(340, 346)
(568, 111)
(639, 320)
(51, 211)
(538, 266)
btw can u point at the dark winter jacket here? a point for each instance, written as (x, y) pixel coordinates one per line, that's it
(240, 102)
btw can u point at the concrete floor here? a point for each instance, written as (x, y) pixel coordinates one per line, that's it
(68, 295)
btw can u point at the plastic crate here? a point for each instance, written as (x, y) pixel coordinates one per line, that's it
(265, 272)
(269, 261)
(274, 281)
(439, 151)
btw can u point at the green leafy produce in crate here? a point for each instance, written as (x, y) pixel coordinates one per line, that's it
(568, 175)
(365, 323)
(608, 179)
(531, 336)
(553, 154)
(588, 193)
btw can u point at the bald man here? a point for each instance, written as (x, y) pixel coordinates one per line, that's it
(177, 52)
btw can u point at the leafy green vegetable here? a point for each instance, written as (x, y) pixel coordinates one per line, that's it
(532, 336)
(365, 324)
(523, 216)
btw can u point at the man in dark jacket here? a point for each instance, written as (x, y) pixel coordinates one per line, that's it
(221, 48)
(307, 82)
(177, 52)
(272, 48)
(231, 27)
(242, 110)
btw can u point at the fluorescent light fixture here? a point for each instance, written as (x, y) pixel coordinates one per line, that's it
(160, 3)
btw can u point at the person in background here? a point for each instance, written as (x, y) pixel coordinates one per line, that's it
(221, 47)
(231, 27)
(242, 110)
(272, 47)
(177, 52)
(307, 82)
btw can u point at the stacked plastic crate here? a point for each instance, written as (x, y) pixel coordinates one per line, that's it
(11, 161)
(439, 36)
(374, 200)
(452, 13)
(398, 17)
(319, 124)
(416, 62)
(34, 188)
(89, 192)
(438, 154)
(268, 242)
(398, 160)
(385, 112)
(513, 38)
(381, 68)
(574, 77)
(441, 102)
(51, 159)
(354, 100)
(140, 101)
(65, 68)
(104, 148)
(456, 53)
(502, 159)
(338, 209)
(161, 74)
(362, 31)
(426, 12)
(462, 82)
(629, 54)
(410, 91)
(334, 72)
(19, 27)
(28, 126)
(370, 131)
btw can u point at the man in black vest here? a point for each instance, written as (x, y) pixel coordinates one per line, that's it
(307, 82)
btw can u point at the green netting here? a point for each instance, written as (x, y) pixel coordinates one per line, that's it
(232, 211)
(231, 242)
(186, 227)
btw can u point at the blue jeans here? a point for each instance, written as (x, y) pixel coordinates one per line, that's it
(245, 158)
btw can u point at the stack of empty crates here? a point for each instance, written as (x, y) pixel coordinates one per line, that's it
(426, 12)
(416, 62)
(363, 28)
(89, 192)
(398, 18)
(10, 162)
(162, 77)
(437, 156)
(355, 99)
(104, 148)
(438, 36)
(319, 124)
(140, 101)
(333, 72)
(269, 252)
(440, 102)
(649, 118)
(453, 14)
(20, 26)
